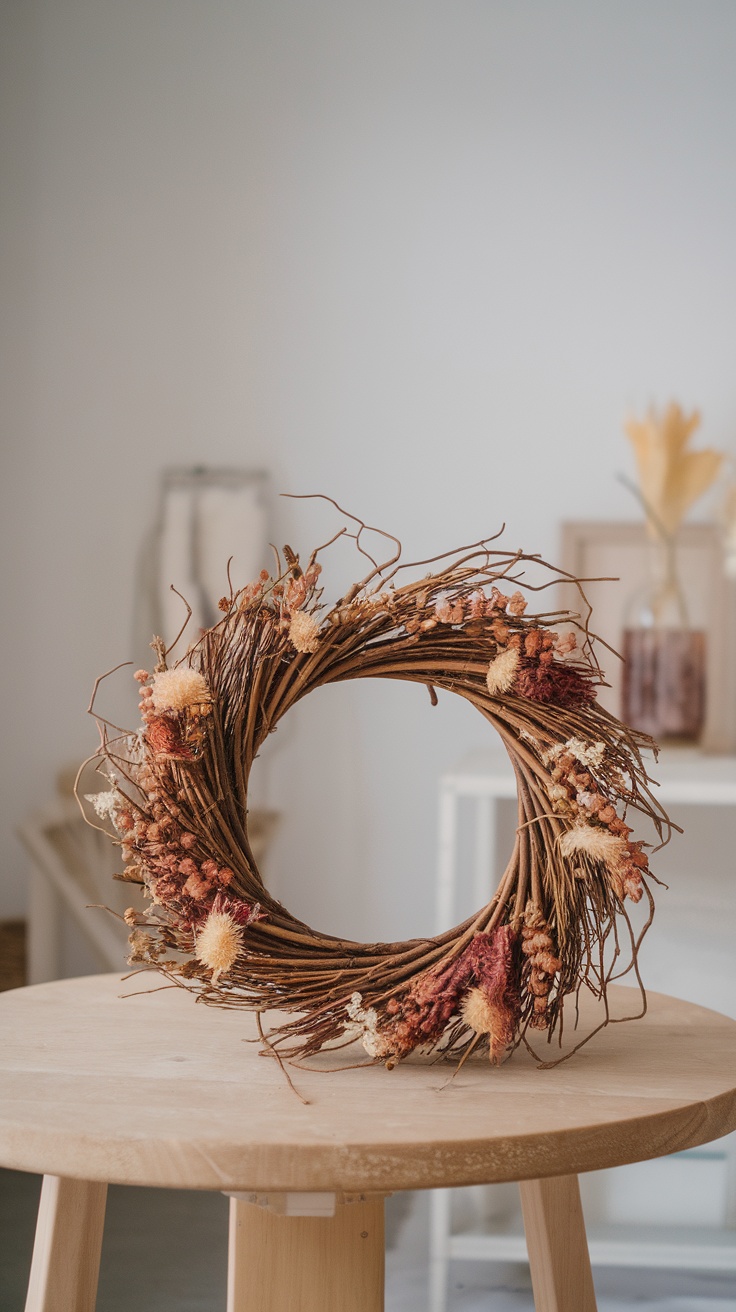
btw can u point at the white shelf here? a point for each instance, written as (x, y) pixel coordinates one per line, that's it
(682, 774)
(674, 1248)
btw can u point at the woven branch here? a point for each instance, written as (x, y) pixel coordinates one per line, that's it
(179, 807)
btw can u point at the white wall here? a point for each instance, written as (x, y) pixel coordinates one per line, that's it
(421, 256)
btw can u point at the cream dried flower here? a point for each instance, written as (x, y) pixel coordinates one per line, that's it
(558, 793)
(477, 1012)
(304, 631)
(218, 943)
(595, 842)
(502, 671)
(492, 1018)
(180, 689)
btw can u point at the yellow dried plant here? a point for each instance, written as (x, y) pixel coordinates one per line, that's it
(671, 477)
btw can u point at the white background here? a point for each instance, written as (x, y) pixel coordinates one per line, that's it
(424, 257)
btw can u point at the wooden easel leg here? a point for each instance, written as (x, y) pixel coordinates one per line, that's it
(66, 1252)
(557, 1246)
(306, 1263)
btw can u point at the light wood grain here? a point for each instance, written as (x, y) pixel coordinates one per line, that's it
(155, 1089)
(66, 1252)
(306, 1263)
(557, 1247)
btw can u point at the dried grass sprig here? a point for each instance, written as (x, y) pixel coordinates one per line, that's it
(179, 805)
(671, 477)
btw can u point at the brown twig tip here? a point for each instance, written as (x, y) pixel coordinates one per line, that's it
(178, 802)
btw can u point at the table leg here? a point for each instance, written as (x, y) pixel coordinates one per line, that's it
(440, 1209)
(557, 1246)
(66, 1251)
(306, 1263)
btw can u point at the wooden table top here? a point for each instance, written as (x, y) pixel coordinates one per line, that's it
(156, 1090)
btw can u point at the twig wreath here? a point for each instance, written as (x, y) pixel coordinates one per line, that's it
(179, 807)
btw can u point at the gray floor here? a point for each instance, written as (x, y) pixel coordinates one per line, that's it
(166, 1251)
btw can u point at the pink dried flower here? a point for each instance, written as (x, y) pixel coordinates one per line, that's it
(251, 592)
(196, 887)
(477, 605)
(633, 886)
(296, 592)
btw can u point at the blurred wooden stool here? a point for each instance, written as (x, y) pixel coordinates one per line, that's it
(153, 1090)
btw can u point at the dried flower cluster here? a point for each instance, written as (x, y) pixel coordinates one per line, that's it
(178, 802)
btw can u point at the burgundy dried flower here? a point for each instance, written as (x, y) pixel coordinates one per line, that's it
(242, 912)
(493, 1007)
(560, 685)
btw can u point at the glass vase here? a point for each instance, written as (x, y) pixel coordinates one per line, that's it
(664, 654)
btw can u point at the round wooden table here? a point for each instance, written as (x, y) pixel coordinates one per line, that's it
(152, 1089)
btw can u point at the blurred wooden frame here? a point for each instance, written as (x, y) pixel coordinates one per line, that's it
(608, 550)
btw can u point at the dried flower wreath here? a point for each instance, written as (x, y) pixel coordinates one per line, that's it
(179, 806)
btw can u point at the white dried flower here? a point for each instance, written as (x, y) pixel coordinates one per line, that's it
(591, 754)
(180, 689)
(502, 671)
(304, 631)
(218, 943)
(366, 1021)
(106, 804)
